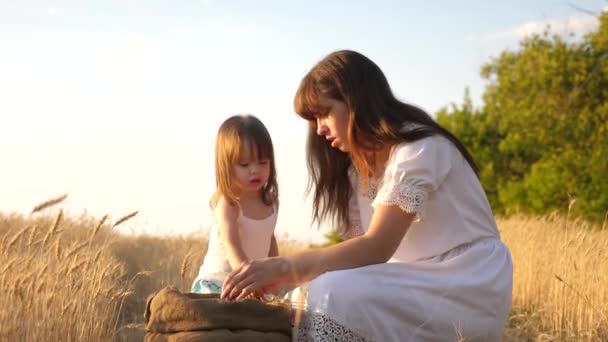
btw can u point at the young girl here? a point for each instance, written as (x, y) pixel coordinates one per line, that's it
(423, 259)
(245, 204)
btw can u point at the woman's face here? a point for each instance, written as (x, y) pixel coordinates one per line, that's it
(333, 124)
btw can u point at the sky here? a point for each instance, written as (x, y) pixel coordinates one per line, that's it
(117, 102)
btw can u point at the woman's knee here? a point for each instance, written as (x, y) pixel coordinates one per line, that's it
(337, 286)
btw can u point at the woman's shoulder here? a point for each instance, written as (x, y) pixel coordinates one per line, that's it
(425, 162)
(433, 144)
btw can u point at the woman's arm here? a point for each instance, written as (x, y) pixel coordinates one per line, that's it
(226, 217)
(387, 228)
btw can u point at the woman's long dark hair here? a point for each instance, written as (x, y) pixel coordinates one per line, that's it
(375, 119)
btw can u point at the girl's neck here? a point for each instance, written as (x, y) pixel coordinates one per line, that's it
(252, 206)
(250, 196)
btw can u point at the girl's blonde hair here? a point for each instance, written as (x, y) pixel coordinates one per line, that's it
(232, 134)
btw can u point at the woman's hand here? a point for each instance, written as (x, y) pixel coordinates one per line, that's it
(255, 278)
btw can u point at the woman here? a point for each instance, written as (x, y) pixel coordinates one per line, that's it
(422, 259)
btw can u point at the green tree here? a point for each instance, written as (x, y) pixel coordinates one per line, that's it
(541, 135)
(333, 237)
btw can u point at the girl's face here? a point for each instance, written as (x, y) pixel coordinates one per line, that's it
(251, 173)
(333, 124)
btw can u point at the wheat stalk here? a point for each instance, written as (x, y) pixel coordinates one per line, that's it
(124, 218)
(56, 222)
(104, 272)
(49, 203)
(75, 266)
(28, 263)
(184, 267)
(76, 249)
(122, 295)
(583, 296)
(32, 235)
(16, 237)
(122, 300)
(3, 246)
(137, 275)
(97, 255)
(40, 287)
(65, 308)
(57, 249)
(16, 285)
(41, 272)
(98, 227)
(8, 265)
(53, 228)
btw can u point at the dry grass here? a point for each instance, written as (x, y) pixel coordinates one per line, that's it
(54, 287)
(68, 279)
(560, 290)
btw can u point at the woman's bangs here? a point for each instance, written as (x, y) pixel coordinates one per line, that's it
(306, 103)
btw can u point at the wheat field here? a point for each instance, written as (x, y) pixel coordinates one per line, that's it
(76, 279)
(560, 285)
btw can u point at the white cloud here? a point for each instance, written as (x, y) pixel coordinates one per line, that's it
(576, 24)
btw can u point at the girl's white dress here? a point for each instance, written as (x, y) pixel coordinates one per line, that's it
(255, 238)
(450, 278)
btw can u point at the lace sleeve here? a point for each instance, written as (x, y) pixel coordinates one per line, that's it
(408, 195)
(414, 171)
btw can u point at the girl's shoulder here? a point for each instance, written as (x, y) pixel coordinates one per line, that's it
(225, 210)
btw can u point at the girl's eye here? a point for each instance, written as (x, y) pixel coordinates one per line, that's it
(244, 164)
(264, 162)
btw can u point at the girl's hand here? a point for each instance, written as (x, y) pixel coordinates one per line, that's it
(255, 277)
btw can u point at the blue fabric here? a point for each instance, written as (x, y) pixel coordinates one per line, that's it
(206, 286)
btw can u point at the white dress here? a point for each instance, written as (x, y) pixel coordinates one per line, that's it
(451, 276)
(255, 236)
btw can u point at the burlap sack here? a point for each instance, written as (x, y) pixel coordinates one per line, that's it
(174, 316)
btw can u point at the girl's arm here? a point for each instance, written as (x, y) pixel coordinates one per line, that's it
(226, 217)
(274, 247)
(387, 228)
